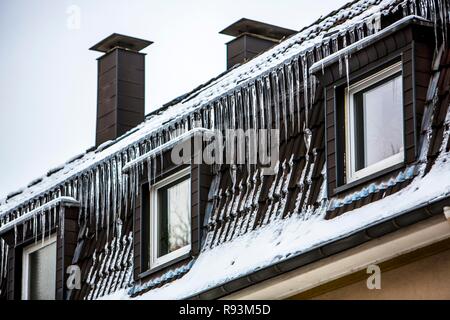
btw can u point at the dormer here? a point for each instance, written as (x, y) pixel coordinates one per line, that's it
(375, 93)
(170, 207)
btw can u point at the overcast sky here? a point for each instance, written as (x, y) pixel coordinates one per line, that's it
(48, 75)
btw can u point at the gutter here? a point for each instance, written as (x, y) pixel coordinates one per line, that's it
(370, 232)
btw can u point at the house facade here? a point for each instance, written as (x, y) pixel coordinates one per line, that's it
(315, 167)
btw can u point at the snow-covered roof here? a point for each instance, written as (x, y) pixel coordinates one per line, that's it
(259, 221)
(293, 236)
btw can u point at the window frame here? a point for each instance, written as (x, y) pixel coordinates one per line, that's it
(155, 261)
(372, 81)
(26, 252)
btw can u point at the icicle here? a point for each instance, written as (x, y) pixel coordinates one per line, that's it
(15, 235)
(2, 252)
(423, 9)
(80, 199)
(412, 7)
(161, 159)
(335, 44)
(114, 191)
(360, 32)
(136, 181)
(377, 23)
(54, 215)
(91, 194)
(268, 100)
(307, 138)
(297, 93)
(254, 143)
(154, 144)
(149, 171)
(86, 197)
(132, 186)
(103, 196)
(233, 112)
(97, 198)
(61, 221)
(352, 35)
(35, 228)
(108, 195)
(141, 166)
(50, 223)
(283, 100)
(276, 97)
(24, 229)
(125, 186)
(347, 71)
(4, 258)
(216, 115)
(305, 89)
(290, 87)
(226, 115)
(212, 116)
(313, 88)
(204, 113)
(43, 226)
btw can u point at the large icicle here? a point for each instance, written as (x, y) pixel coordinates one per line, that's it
(108, 197)
(276, 97)
(305, 90)
(290, 87)
(283, 101)
(114, 192)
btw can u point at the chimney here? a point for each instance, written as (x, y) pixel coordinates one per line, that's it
(120, 86)
(251, 39)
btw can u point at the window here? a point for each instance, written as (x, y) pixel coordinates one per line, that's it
(170, 219)
(39, 271)
(374, 123)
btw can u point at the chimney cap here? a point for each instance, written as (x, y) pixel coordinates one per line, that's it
(121, 41)
(245, 25)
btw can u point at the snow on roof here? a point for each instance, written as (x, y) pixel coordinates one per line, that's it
(293, 236)
(282, 238)
(348, 16)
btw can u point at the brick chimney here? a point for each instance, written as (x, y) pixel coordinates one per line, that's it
(251, 39)
(120, 87)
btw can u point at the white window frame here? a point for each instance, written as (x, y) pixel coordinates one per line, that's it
(353, 175)
(154, 223)
(27, 251)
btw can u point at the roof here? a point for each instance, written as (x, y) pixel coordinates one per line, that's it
(256, 221)
(293, 237)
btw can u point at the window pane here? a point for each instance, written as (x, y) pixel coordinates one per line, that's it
(380, 122)
(42, 271)
(174, 226)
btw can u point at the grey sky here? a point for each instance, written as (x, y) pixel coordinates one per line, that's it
(48, 76)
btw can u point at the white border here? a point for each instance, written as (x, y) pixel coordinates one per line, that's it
(154, 260)
(26, 263)
(353, 175)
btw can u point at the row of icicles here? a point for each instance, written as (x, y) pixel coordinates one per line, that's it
(272, 101)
